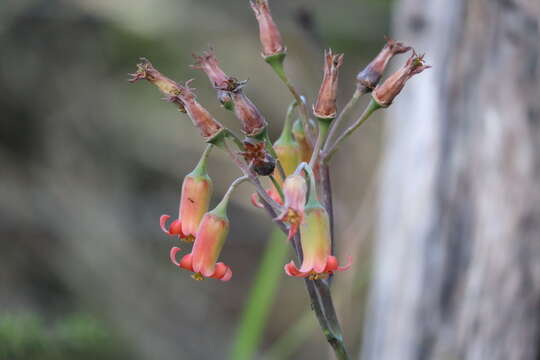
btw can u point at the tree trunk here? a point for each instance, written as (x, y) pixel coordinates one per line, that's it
(457, 272)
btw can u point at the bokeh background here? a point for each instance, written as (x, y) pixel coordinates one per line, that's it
(89, 162)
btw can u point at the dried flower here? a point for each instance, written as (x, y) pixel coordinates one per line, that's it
(209, 127)
(325, 107)
(385, 93)
(252, 121)
(194, 201)
(209, 241)
(368, 78)
(171, 89)
(270, 37)
(294, 190)
(257, 157)
(208, 63)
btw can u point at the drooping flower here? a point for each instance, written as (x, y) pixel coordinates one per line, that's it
(194, 201)
(209, 127)
(269, 34)
(385, 93)
(252, 121)
(294, 190)
(211, 236)
(325, 106)
(370, 76)
(315, 239)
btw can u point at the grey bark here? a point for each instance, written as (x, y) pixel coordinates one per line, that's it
(457, 272)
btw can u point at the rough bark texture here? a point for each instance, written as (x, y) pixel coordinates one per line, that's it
(458, 255)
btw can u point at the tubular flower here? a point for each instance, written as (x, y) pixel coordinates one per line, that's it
(209, 127)
(315, 239)
(305, 149)
(325, 107)
(211, 235)
(171, 89)
(294, 190)
(252, 121)
(269, 35)
(385, 93)
(368, 78)
(194, 202)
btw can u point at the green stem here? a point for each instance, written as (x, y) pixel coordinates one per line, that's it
(278, 187)
(277, 65)
(202, 165)
(261, 298)
(323, 131)
(331, 149)
(350, 105)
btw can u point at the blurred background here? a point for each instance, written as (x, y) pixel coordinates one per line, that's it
(89, 162)
(437, 199)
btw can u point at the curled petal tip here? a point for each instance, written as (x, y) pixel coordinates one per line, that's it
(255, 201)
(163, 222)
(172, 255)
(227, 276)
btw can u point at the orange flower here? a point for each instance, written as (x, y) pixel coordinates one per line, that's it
(194, 200)
(211, 236)
(325, 107)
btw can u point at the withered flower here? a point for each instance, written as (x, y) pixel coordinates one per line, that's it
(208, 126)
(257, 157)
(171, 89)
(385, 93)
(368, 78)
(325, 107)
(252, 121)
(268, 31)
(208, 63)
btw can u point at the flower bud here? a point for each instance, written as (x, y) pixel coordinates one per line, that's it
(270, 37)
(209, 127)
(325, 107)
(287, 150)
(252, 121)
(368, 78)
(294, 190)
(385, 93)
(305, 149)
(209, 241)
(194, 201)
(171, 89)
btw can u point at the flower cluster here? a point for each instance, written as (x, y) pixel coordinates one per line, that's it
(286, 173)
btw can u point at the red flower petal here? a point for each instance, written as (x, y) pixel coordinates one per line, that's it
(186, 262)
(292, 270)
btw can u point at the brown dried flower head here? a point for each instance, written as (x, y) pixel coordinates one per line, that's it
(368, 78)
(208, 63)
(257, 157)
(325, 107)
(208, 126)
(252, 121)
(269, 34)
(171, 89)
(385, 93)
